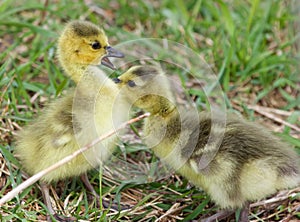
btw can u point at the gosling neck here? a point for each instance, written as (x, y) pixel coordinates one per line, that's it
(165, 107)
(74, 70)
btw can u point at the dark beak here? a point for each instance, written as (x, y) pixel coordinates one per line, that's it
(116, 80)
(111, 52)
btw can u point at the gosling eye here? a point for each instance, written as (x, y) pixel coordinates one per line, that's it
(131, 83)
(96, 45)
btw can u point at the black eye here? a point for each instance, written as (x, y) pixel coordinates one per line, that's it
(96, 45)
(131, 83)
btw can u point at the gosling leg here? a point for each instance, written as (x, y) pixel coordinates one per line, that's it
(84, 178)
(245, 213)
(46, 197)
(105, 204)
(47, 201)
(218, 216)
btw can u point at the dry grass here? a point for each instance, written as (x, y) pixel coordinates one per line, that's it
(265, 90)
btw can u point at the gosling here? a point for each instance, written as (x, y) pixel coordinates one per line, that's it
(78, 117)
(235, 164)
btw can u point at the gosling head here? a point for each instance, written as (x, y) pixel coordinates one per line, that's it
(82, 43)
(147, 88)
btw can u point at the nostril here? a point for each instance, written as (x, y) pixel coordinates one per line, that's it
(107, 47)
(116, 80)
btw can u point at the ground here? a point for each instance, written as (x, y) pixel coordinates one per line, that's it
(251, 46)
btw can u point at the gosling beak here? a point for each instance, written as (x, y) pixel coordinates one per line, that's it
(111, 52)
(116, 80)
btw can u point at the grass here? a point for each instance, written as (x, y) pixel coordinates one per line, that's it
(252, 46)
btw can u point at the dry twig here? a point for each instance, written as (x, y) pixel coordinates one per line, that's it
(65, 160)
(273, 117)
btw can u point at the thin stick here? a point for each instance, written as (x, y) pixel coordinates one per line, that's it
(272, 110)
(275, 199)
(65, 160)
(173, 209)
(275, 118)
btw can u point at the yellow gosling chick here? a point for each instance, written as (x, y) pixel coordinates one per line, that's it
(249, 163)
(78, 117)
